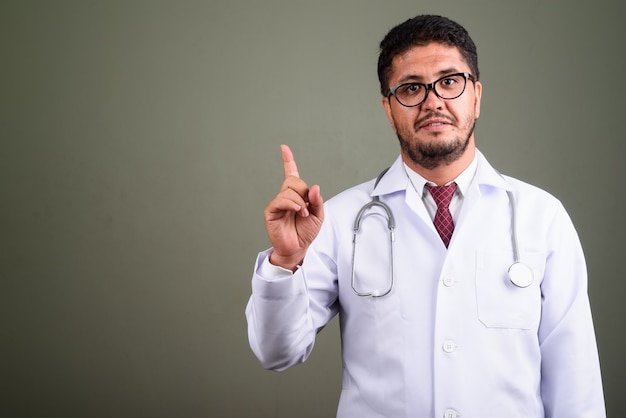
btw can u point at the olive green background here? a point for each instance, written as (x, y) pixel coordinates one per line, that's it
(140, 144)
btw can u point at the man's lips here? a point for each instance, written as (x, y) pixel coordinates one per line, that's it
(434, 123)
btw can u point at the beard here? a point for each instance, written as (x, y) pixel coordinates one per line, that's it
(436, 153)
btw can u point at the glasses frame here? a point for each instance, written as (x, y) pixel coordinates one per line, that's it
(431, 86)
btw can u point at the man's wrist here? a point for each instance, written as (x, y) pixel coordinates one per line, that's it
(291, 262)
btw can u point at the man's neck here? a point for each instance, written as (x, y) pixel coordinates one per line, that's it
(445, 173)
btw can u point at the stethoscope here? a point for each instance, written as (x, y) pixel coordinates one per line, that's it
(519, 273)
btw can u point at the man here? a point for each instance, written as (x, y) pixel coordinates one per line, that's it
(431, 323)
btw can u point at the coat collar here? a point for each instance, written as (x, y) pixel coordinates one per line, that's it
(395, 179)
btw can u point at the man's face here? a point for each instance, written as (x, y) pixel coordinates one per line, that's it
(436, 132)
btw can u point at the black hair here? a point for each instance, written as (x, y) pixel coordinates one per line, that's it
(420, 31)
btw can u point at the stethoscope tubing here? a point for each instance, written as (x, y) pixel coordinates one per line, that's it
(519, 273)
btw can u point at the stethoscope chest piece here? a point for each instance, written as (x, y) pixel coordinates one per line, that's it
(520, 274)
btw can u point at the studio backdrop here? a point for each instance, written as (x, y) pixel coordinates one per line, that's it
(139, 145)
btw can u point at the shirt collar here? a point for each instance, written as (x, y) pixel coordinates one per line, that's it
(463, 180)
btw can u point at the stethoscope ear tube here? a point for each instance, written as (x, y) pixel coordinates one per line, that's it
(519, 273)
(391, 224)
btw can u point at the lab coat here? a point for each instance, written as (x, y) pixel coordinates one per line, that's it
(454, 337)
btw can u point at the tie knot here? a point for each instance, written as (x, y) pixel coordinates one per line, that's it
(442, 194)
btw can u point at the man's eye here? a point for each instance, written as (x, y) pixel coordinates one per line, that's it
(412, 88)
(452, 82)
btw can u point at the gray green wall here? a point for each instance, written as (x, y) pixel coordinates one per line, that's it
(139, 144)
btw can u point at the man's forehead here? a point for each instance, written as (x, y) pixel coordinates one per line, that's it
(427, 61)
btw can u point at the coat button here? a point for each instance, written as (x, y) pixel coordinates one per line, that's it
(449, 346)
(448, 281)
(450, 413)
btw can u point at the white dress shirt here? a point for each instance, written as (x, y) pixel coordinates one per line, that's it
(463, 182)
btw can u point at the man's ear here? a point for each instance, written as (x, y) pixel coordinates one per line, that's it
(387, 107)
(478, 92)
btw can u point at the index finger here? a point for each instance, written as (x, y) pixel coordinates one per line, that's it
(289, 163)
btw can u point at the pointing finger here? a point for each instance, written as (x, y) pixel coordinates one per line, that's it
(289, 164)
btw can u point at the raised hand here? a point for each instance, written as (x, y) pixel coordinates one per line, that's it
(294, 217)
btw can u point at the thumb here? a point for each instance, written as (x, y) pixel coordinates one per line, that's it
(316, 202)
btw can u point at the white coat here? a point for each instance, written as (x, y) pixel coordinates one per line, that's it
(454, 337)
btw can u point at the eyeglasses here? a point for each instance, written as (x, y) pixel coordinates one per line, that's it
(447, 87)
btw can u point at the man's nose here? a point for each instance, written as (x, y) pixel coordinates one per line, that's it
(432, 101)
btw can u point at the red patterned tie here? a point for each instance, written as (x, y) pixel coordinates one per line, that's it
(443, 219)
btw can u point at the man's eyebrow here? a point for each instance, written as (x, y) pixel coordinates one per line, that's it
(408, 78)
(411, 77)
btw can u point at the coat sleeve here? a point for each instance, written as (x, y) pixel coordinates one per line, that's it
(285, 313)
(571, 383)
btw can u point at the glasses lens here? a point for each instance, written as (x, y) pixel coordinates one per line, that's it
(410, 94)
(450, 87)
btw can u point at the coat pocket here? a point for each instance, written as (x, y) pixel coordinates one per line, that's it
(502, 304)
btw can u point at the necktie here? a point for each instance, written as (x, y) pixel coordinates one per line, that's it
(443, 218)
